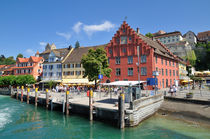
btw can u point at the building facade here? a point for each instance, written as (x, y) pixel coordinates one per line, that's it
(52, 67)
(154, 56)
(204, 36)
(73, 70)
(29, 66)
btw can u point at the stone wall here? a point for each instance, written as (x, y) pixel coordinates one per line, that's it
(5, 91)
(142, 109)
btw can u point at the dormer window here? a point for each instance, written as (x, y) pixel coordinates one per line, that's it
(123, 30)
(123, 40)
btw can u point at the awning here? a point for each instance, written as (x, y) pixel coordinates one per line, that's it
(77, 81)
(45, 81)
(123, 83)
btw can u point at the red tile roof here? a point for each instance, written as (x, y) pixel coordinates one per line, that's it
(32, 58)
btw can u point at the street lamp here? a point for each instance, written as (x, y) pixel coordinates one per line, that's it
(138, 64)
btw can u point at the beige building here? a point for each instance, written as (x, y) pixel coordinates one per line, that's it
(72, 69)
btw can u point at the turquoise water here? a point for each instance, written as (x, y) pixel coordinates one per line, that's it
(19, 120)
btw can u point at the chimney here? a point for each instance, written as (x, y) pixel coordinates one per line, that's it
(69, 47)
(137, 30)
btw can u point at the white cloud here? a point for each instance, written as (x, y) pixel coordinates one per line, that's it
(67, 36)
(42, 43)
(77, 27)
(30, 52)
(106, 26)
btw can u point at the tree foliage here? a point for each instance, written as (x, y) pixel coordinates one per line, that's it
(202, 52)
(94, 63)
(150, 35)
(191, 57)
(77, 45)
(7, 61)
(19, 56)
(51, 84)
(16, 80)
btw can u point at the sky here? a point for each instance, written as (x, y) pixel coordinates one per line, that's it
(26, 26)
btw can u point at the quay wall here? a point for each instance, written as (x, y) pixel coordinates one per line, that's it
(5, 91)
(142, 109)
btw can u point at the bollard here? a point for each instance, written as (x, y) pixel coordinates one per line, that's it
(47, 98)
(67, 102)
(22, 93)
(28, 90)
(36, 91)
(17, 93)
(11, 91)
(121, 105)
(91, 105)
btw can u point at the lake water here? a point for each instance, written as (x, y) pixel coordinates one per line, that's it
(19, 120)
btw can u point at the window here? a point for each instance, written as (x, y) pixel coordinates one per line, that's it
(143, 59)
(58, 74)
(108, 61)
(169, 63)
(166, 82)
(130, 59)
(162, 71)
(118, 40)
(156, 59)
(78, 72)
(173, 72)
(39, 71)
(110, 50)
(78, 65)
(71, 65)
(116, 79)
(143, 71)
(156, 68)
(177, 73)
(45, 67)
(170, 82)
(125, 79)
(59, 66)
(50, 67)
(124, 50)
(166, 72)
(166, 62)
(130, 38)
(118, 72)
(163, 82)
(123, 30)
(117, 60)
(168, 40)
(130, 71)
(123, 40)
(170, 72)
(50, 74)
(173, 40)
(45, 74)
(72, 73)
(161, 60)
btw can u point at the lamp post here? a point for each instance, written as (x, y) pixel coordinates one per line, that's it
(138, 73)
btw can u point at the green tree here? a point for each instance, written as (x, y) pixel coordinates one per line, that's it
(77, 45)
(19, 56)
(51, 84)
(150, 35)
(94, 63)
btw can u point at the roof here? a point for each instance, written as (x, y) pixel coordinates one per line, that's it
(188, 32)
(61, 52)
(159, 48)
(1, 66)
(167, 34)
(202, 34)
(32, 58)
(76, 54)
(123, 83)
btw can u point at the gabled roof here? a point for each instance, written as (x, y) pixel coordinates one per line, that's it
(76, 54)
(2, 66)
(32, 59)
(60, 52)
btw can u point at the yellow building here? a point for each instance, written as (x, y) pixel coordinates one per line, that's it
(183, 71)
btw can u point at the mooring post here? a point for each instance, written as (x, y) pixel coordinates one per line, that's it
(67, 102)
(91, 104)
(47, 98)
(11, 91)
(121, 108)
(17, 92)
(36, 91)
(21, 97)
(28, 90)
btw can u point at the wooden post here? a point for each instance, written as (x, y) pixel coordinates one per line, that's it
(121, 105)
(28, 90)
(91, 104)
(21, 98)
(11, 91)
(51, 105)
(67, 102)
(36, 91)
(47, 98)
(17, 93)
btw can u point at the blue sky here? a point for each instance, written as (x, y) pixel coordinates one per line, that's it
(27, 25)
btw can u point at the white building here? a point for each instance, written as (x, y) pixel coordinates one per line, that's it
(52, 67)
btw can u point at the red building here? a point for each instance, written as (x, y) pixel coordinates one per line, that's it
(29, 66)
(154, 56)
